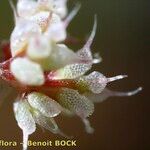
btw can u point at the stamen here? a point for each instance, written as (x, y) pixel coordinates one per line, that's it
(72, 14)
(91, 38)
(63, 134)
(25, 140)
(116, 78)
(130, 93)
(106, 93)
(97, 58)
(88, 127)
(14, 10)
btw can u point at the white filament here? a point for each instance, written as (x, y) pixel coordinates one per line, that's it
(130, 93)
(25, 140)
(116, 78)
(72, 14)
(91, 38)
(88, 127)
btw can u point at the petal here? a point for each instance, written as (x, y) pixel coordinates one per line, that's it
(57, 6)
(71, 71)
(60, 7)
(25, 120)
(96, 82)
(73, 101)
(85, 52)
(47, 106)
(57, 52)
(62, 53)
(20, 35)
(27, 72)
(26, 8)
(46, 5)
(47, 123)
(42, 19)
(39, 48)
(56, 30)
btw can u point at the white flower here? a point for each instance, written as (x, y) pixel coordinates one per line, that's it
(54, 76)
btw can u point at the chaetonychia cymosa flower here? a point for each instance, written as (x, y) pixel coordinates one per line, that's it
(50, 77)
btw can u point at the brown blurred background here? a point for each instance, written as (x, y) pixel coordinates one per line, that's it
(123, 40)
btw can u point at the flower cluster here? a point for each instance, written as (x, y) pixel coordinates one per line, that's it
(50, 77)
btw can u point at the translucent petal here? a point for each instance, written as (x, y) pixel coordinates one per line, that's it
(20, 35)
(56, 30)
(26, 8)
(27, 72)
(58, 52)
(39, 47)
(62, 53)
(42, 19)
(106, 93)
(73, 101)
(85, 52)
(70, 71)
(47, 123)
(25, 120)
(47, 106)
(96, 82)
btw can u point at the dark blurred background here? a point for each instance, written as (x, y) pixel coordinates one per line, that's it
(123, 40)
